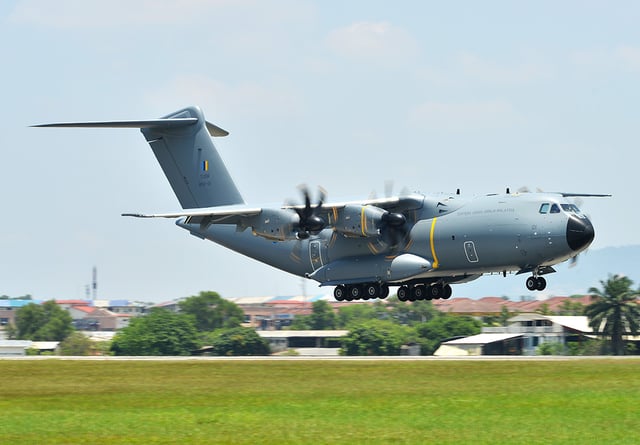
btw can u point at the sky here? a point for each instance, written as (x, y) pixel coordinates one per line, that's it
(429, 96)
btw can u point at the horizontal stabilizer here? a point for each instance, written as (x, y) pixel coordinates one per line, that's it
(149, 123)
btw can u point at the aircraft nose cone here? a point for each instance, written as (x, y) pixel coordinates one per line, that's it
(580, 233)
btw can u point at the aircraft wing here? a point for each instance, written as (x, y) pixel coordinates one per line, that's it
(216, 215)
(282, 223)
(399, 203)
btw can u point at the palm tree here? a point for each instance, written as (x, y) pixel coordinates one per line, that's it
(614, 311)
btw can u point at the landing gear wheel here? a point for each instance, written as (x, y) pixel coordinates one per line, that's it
(446, 292)
(384, 291)
(403, 293)
(541, 283)
(339, 293)
(436, 291)
(355, 291)
(532, 283)
(418, 293)
(372, 290)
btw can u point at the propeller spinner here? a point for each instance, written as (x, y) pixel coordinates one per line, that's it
(311, 223)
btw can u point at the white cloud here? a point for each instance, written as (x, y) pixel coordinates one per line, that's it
(488, 115)
(380, 42)
(629, 56)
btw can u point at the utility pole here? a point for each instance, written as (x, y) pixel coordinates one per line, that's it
(94, 283)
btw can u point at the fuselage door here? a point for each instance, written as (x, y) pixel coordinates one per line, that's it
(315, 254)
(470, 251)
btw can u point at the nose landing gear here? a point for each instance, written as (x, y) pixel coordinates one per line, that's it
(536, 283)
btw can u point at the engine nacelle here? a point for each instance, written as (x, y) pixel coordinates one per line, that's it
(274, 224)
(356, 220)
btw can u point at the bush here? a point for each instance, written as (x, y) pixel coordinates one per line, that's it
(376, 337)
(238, 341)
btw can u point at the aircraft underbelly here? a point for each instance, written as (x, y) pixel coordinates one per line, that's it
(290, 256)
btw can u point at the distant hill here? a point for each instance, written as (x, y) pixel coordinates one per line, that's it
(593, 266)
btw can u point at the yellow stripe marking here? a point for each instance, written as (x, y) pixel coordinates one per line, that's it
(433, 247)
(372, 248)
(363, 222)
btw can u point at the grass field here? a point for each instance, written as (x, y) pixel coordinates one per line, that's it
(320, 402)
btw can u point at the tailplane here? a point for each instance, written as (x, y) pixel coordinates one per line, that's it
(182, 144)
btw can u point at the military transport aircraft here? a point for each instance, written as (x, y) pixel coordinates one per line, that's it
(423, 244)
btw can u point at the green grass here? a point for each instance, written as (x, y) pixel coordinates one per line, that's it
(320, 402)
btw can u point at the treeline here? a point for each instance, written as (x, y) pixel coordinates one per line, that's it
(204, 320)
(383, 328)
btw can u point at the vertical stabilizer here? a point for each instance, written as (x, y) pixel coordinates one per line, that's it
(191, 162)
(182, 144)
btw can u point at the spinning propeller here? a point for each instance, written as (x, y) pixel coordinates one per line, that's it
(311, 223)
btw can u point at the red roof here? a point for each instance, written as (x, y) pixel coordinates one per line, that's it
(86, 309)
(73, 302)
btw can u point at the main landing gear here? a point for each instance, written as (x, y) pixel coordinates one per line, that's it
(536, 283)
(424, 292)
(368, 291)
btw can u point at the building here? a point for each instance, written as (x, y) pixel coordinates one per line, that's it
(522, 336)
(320, 341)
(279, 312)
(122, 307)
(483, 344)
(14, 348)
(18, 348)
(8, 310)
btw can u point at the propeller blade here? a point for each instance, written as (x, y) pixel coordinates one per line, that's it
(310, 221)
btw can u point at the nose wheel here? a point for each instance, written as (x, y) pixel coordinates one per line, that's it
(536, 283)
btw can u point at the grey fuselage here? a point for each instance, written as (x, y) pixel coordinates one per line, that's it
(459, 238)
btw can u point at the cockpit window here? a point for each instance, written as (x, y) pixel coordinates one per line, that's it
(555, 208)
(544, 208)
(570, 208)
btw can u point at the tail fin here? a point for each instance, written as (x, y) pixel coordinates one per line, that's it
(186, 154)
(191, 162)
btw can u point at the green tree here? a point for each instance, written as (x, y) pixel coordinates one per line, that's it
(376, 337)
(505, 315)
(43, 322)
(411, 313)
(544, 309)
(569, 307)
(212, 312)
(358, 312)
(445, 326)
(238, 341)
(160, 332)
(322, 317)
(614, 311)
(300, 323)
(76, 344)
